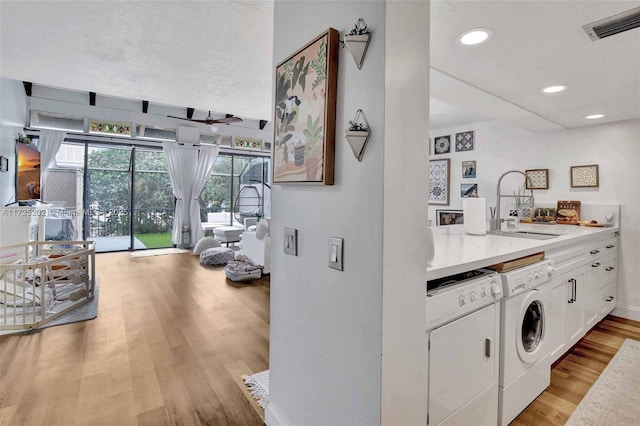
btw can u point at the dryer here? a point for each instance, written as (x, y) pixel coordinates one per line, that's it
(525, 365)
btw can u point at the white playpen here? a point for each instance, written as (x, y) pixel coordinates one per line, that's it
(40, 281)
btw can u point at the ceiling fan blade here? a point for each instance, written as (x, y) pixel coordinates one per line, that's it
(180, 118)
(225, 120)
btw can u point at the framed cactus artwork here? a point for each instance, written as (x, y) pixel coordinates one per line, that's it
(305, 113)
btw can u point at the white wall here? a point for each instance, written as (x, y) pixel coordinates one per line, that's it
(614, 147)
(13, 114)
(325, 338)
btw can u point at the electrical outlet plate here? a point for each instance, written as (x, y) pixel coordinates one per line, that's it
(291, 241)
(335, 253)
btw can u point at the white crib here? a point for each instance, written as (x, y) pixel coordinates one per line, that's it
(40, 281)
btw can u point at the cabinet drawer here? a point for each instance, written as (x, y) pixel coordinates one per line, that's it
(595, 251)
(607, 300)
(608, 270)
(609, 246)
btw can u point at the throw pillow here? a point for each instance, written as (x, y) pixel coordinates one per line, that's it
(262, 230)
(205, 243)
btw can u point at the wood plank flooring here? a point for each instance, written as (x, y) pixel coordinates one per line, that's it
(168, 347)
(574, 373)
(171, 341)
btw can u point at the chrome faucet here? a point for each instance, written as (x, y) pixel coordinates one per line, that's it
(497, 222)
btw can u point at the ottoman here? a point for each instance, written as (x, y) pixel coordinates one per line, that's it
(227, 234)
(216, 256)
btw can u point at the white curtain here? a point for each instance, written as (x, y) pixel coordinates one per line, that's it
(178, 182)
(206, 161)
(49, 143)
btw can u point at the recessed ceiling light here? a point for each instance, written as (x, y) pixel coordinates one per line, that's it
(474, 36)
(594, 116)
(555, 89)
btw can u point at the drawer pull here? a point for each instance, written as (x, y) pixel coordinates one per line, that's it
(609, 299)
(610, 268)
(595, 265)
(610, 246)
(594, 251)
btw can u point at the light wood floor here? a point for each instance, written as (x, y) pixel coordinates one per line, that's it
(168, 347)
(573, 374)
(171, 341)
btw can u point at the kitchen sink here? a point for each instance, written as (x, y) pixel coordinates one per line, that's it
(526, 234)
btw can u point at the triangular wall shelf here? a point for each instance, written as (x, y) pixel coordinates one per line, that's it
(357, 45)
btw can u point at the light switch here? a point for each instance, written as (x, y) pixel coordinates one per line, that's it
(335, 253)
(291, 241)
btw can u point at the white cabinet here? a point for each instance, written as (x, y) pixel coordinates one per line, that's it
(21, 224)
(583, 293)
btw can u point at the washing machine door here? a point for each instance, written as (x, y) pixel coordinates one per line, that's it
(532, 327)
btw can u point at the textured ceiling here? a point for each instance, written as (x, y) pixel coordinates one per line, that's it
(208, 55)
(217, 55)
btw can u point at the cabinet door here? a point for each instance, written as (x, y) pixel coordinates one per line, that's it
(590, 293)
(557, 318)
(574, 327)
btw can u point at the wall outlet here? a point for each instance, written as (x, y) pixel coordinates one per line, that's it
(335, 253)
(291, 241)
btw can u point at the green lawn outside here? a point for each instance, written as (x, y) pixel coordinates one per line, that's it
(155, 240)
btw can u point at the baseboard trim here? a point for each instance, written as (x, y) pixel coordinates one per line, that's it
(272, 417)
(628, 312)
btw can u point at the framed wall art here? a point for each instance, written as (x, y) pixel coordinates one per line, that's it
(468, 169)
(305, 113)
(464, 141)
(4, 164)
(539, 179)
(449, 217)
(439, 171)
(247, 143)
(469, 190)
(442, 145)
(585, 176)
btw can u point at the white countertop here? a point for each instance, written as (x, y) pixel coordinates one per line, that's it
(457, 252)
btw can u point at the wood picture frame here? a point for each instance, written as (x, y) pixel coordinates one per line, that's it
(439, 181)
(449, 217)
(585, 176)
(306, 82)
(539, 179)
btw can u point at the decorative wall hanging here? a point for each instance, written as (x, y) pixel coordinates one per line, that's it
(109, 127)
(358, 134)
(469, 190)
(305, 112)
(442, 145)
(247, 143)
(4, 164)
(450, 217)
(464, 141)
(539, 179)
(468, 169)
(357, 41)
(439, 182)
(585, 176)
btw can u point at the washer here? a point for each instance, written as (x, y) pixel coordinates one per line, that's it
(525, 365)
(463, 331)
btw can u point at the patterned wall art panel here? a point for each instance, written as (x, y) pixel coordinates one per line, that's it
(109, 127)
(585, 176)
(464, 141)
(247, 143)
(539, 179)
(442, 145)
(439, 171)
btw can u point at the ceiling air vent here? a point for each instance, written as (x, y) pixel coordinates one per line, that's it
(613, 25)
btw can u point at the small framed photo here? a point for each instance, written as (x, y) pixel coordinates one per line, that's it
(469, 190)
(449, 217)
(585, 176)
(464, 141)
(468, 169)
(4, 164)
(442, 145)
(539, 179)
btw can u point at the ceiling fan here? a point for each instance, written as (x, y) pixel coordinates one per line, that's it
(210, 120)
